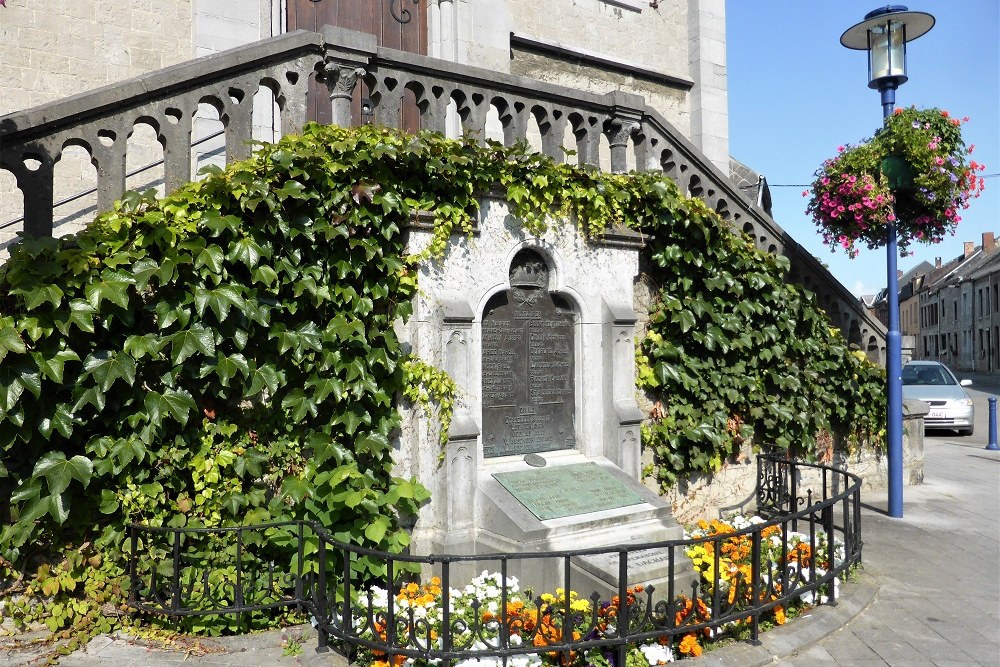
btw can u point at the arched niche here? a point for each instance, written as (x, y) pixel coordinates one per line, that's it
(528, 364)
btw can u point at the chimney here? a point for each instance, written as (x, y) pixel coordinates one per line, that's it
(989, 243)
(970, 247)
(937, 262)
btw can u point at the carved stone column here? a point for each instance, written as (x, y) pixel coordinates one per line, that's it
(348, 56)
(626, 120)
(618, 135)
(340, 80)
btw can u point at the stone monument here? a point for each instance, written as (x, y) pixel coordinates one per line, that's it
(543, 452)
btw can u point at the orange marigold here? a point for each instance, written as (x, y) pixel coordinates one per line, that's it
(690, 646)
(779, 615)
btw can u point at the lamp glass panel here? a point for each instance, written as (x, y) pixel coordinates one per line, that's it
(878, 52)
(897, 49)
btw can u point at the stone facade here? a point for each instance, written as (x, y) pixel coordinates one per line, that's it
(672, 53)
(732, 488)
(51, 49)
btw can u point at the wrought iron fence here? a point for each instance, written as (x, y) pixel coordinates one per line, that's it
(366, 600)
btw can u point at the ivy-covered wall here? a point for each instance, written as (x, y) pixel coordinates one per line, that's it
(226, 355)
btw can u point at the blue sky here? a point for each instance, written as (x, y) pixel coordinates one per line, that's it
(795, 94)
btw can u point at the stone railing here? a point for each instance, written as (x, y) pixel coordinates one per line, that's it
(447, 97)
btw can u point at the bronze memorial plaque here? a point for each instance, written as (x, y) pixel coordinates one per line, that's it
(528, 352)
(558, 491)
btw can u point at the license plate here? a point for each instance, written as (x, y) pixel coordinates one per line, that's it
(936, 414)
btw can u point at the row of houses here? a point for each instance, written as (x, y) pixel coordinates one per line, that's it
(950, 311)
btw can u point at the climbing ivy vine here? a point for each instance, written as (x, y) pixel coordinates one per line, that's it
(226, 354)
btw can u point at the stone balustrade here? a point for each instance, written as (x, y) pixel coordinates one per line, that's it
(448, 97)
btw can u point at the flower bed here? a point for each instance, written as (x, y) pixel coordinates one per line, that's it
(915, 172)
(492, 620)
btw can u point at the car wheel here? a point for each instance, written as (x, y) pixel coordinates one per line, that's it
(965, 431)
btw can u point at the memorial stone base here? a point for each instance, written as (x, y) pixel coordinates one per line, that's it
(543, 454)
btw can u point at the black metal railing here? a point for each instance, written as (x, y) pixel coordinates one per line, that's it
(367, 600)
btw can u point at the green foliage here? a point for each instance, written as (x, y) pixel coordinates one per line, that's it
(220, 356)
(734, 354)
(434, 390)
(227, 356)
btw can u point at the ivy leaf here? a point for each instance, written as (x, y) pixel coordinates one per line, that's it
(91, 396)
(185, 343)
(246, 251)
(211, 258)
(264, 376)
(81, 315)
(126, 450)
(295, 488)
(58, 472)
(27, 492)
(112, 286)
(62, 421)
(220, 300)
(53, 365)
(178, 404)
(376, 530)
(143, 270)
(225, 368)
(106, 368)
(147, 345)
(299, 404)
(10, 339)
(59, 507)
(50, 294)
(109, 502)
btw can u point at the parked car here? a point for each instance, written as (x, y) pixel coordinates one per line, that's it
(950, 405)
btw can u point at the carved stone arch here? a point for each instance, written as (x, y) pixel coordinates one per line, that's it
(854, 331)
(272, 84)
(516, 129)
(78, 142)
(694, 187)
(152, 121)
(216, 103)
(463, 104)
(668, 164)
(587, 131)
(503, 107)
(722, 208)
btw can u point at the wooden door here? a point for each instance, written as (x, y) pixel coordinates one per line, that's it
(396, 24)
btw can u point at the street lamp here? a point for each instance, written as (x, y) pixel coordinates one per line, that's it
(884, 34)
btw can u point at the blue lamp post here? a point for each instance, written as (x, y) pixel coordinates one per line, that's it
(884, 34)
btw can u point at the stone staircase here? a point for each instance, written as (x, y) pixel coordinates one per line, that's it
(450, 97)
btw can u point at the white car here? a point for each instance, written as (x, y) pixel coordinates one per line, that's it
(950, 406)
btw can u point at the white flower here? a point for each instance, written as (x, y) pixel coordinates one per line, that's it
(657, 654)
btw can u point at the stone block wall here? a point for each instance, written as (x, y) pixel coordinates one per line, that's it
(52, 49)
(732, 487)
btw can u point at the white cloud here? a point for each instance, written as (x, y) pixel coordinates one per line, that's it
(860, 289)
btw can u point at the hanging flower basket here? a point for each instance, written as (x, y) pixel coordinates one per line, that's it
(915, 172)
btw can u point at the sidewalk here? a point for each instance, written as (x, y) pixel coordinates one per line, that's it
(929, 592)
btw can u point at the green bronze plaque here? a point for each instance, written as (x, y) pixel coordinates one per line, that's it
(558, 491)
